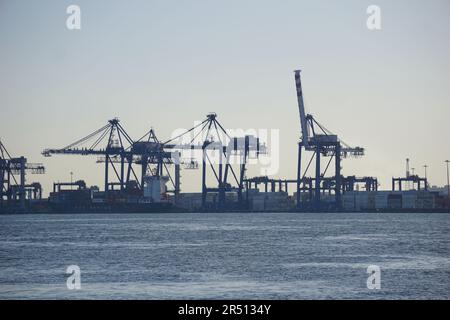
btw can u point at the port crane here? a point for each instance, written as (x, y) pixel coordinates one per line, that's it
(13, 179)
(411, 181)
(120, 154)
(154, 156)
(117, 143)
(323, 143)
(210, 137)
(155, 161)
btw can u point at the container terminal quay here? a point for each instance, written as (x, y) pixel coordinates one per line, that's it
(144, 175)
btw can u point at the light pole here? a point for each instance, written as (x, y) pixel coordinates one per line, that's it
(448, 180)
(71, 180)
(426, 180)
(408, 184)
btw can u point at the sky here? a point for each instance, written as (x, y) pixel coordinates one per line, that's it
(166, 64)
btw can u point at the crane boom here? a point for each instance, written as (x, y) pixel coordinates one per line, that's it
(301, 108)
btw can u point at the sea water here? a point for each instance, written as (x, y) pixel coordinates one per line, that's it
(225, 256)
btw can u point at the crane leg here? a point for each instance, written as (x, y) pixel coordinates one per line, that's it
(338, 189)
(318, 179)
(204, 179)
(299, 175)
(106, 172)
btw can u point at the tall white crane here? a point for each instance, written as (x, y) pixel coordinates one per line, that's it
(313, 132)
(322, 142)
(301, 108)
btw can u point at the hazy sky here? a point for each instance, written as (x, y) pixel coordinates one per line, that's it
(167, 64)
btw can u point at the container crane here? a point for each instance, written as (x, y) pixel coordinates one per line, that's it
(322, 142)
(225, 147)
(117, 140)
(121, 153)
(12, 174)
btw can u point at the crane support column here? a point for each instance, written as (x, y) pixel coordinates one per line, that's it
(106, 171)
(22, 182)
(338, 189)
(204, 177)
(220, 182)
(144, 165)
(299, 175)
(318, 177)
(177, 180)
(122, 171)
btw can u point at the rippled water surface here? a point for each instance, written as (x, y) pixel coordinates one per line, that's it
(227, 255)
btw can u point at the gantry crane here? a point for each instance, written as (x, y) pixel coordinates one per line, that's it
(120, 154)
(222, 149)
(154, 157)
(410, 181)
(154, 160)
(317, 139)
(117, 146)
(13, 179)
